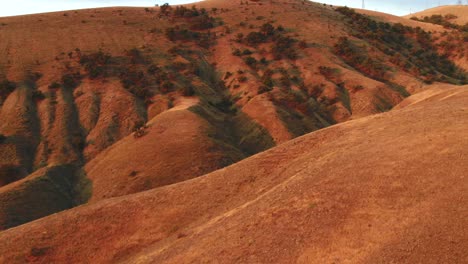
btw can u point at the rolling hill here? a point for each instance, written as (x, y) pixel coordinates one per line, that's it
(390, 187)
(248, 131)
(459, 11)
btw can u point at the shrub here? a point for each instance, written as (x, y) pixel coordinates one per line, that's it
(37, 95)
(239, 37)
(198, 18)
(202, 22)
(136, 57)
(71, 80)
(246, 52)
(283, 46)
(250, 61)
(54, 85)
(165, 10)
(181, 34)
(329, 72)
(255, 38)
(237, 52)
(138, 84)
(267, 29)
(242, 79)
(182, 11)
(264, 89)
(227, 75)
(95, 63)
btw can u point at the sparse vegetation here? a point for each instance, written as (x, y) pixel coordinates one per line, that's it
(414, 45)
(37, 252)
(71, 80)
(179, 33)
(38, 95)
(358, 57)
(328, 72)
(95, 63)
(54, 85)
(443, 21)
(282, 46)
(194, 21)
(251, 61)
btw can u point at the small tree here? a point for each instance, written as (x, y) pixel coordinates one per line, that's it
(250, 61)
(267, 29)
(165, 10)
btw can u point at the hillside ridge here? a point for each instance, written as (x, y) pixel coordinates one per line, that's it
(102, 103)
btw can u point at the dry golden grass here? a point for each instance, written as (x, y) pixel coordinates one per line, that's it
(374, 178)
(461, 11)
(385, 188)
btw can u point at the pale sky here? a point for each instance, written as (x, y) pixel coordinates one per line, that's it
(21, 7)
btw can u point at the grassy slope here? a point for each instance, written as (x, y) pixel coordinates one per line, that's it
(460, 11)
(176, 147)
(395, 201)
(101, 112)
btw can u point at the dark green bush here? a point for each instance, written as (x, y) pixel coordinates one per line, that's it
(283, 46)
(255, 38)
(37, 95)
(251, 61)
(267, 29)
(227, 75)
(54, 85)
(177, 33)
(95, 63)
(242, 79)
(71, 80)
(237, 52)
(358, 58)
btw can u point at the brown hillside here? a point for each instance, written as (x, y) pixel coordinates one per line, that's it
(461, 11)
(203, 86)
(137, 164)
(396, 19)
(386, 188)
